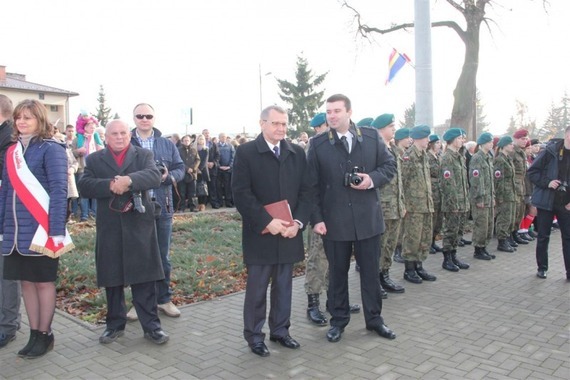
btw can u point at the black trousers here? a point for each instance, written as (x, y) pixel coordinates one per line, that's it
(367, 254)
(144, 301)
(213, 190)
(225, 188)
(255, 304)
(544, 222)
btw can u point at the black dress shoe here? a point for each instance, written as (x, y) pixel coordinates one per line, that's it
(354, 308)
(259, 349)
(334, 334)
(286, 341)
(6, 338)
(383, 331)
(157, 336)
(466, 242)
(110, 335)
(541, 273)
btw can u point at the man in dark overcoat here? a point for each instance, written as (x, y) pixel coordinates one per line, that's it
(346, 166)
(267, 170)
(126, 251)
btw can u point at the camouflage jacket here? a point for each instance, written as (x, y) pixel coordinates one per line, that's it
(435, 173)
(504, 179)
(519, 162)
(392, 199)
(454, 188)
(416, 181)
(481, 179)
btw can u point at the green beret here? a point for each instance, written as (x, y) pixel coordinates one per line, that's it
(402, 133)
(484, 138)
(383, 120)
(420, 132)
(365, 122)
(433, 138)
(318, 120)
(451, 134)
(504, 141)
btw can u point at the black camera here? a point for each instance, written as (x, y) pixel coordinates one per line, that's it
(351, 178)
(161, 167)
(562, 187)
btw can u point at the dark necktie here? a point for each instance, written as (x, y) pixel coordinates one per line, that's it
(276, 151)
(345, 143)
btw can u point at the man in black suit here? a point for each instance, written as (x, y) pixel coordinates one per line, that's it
(346, 165)
(267, 170)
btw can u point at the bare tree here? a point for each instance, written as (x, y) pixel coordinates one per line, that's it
(473, 11)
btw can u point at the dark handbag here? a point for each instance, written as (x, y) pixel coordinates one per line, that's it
(201, 189)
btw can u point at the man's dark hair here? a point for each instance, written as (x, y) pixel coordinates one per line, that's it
(340, 97)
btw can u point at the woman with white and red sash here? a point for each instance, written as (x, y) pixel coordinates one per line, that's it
(33, 200)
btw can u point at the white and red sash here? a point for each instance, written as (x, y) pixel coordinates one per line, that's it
(36, 199)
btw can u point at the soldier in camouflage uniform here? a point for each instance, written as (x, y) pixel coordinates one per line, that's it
(482, 196)
(520, 138)
(317, 265)
(419, 206)
(505, 193)
(434, 150)
(454, 197)
(392, 202)
(402, 142)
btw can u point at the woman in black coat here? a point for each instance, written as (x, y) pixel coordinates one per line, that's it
(203, 172)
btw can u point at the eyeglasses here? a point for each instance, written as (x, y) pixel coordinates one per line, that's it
(148, 117)
(277, 123)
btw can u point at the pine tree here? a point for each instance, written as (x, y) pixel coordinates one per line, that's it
(409, 117)
(305, 101)
(482, 124)
(102, 112)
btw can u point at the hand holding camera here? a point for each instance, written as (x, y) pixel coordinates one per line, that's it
(356, 179)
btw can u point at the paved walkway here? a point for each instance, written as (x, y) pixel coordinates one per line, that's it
(493, 321)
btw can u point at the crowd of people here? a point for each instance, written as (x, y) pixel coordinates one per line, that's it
(362, 190)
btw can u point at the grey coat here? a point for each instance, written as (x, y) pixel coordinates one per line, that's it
(126, 250)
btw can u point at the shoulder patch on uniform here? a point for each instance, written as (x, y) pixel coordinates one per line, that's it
(475, 173)
(446, 174)
(406, 158)
(498, 174)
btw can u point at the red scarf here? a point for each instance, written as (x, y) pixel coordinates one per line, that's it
(120, 157)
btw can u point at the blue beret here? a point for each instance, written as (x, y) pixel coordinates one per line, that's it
(484, 138)
(383, 120)
(451, 134)
(420, 132)
(402, 133)
(318, 120)
(504, 141)
(365, 122)
(433, 138)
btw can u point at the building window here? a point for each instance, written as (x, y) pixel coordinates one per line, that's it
(53, 108)
(42, 95)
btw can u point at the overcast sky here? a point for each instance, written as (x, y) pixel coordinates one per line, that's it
(206, 55)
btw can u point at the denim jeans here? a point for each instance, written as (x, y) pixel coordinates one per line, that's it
(164, 232)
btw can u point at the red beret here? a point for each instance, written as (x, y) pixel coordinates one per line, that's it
(495, 141)
(519, 134)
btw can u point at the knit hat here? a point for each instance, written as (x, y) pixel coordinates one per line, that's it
(452, 133)
(420, 132)
(402, 133)
(365, 122)
(504, 141)
(318, 120)
(484, 138)
(383, 120)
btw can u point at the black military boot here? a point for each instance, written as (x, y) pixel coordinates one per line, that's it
(460, 264)
(398, 254)
(465, 241)
(424, 275)
(504, 246)
(488, 253)
(434, 247)
(410, 273)
(388, 284)
(526, 236)
(314, 314)
(511, 242)
(448, 263)
(480, 254)
(518, 239)
(383, 292)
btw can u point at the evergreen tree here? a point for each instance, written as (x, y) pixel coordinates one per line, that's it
(409, 117)
(482, 124)
(305, 101)
(102, 112)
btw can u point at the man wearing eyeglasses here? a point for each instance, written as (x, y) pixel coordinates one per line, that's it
(172, 168)
(267, 170)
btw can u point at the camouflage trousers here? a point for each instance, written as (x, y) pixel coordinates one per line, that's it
(506, 216)
(453, 224)
(317, 266)
(388, 242)
(520, 210)
(482, 225)
(437, 219)
(417, 236)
